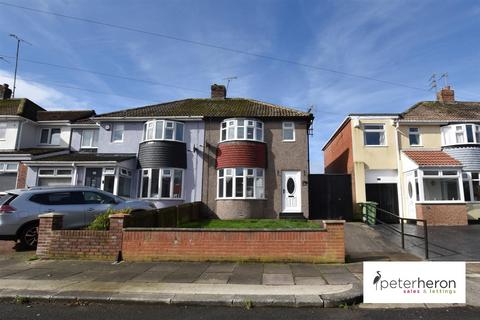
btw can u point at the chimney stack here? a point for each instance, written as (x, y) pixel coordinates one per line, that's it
(5, 92)
(218, 91)
(446, 95)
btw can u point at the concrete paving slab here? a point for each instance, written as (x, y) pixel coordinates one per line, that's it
(473, 292)
(116, 276)
(326, 268)
(249, 267)
(87, 275)
(473, 267)
(305, 270)
(214, 277)
(26, 274)
(221, 267)
(340, 278)
(187, 273)
(355, 267)
(308, 301)
(247, 273)
(149, 276)
(310, 281)
(278, 279)
(203, 299)
(166, 266)
(277, 268)
(7, 272)
(55, 275)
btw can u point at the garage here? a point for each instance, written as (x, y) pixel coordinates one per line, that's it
(381, 187)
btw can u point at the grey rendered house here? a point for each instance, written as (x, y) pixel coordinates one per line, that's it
(30, 133)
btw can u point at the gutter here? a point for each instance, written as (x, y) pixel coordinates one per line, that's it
(129, 119)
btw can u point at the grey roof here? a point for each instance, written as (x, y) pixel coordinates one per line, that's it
(32, 151)
(440, 111)
(90, 156)
(215, 108)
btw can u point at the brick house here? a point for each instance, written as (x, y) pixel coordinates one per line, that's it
(423, 163)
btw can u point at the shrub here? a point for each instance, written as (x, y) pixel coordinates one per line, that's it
(102, 221)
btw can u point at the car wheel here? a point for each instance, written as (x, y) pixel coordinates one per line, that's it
(29, 236)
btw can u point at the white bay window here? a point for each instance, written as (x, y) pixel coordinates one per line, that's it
(439, 185)
(164, 130)
(241, 129)
(240, 183)
(165, 183)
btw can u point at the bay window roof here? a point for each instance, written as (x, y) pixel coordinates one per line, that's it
(432, 158)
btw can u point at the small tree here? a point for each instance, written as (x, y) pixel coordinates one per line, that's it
(102, 221)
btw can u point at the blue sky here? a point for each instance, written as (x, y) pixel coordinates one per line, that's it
(398, 41)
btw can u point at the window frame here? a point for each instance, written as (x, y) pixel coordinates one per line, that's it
(147, 173)
(285, 127)
(49, 136)
(55, 173)
(442, 174)
(93, 143)
(222, 175)
(247, 123)
(450, 133)
(470, 181)
(153, 125)
(3, 129)
(413, 133)
(115, 128)
(4, 167)
(371, 130)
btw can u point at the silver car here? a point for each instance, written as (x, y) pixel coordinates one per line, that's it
(19, 209)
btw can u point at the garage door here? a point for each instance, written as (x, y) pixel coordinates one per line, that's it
(8, 181)
(53, 182)
(385, 194)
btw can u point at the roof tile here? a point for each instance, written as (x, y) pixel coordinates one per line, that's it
(435, 110)
(428, 158)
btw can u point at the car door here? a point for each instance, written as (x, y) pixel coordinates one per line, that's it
(68, 203)
(96, 203)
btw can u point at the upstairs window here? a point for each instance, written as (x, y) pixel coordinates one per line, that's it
(3, 130)
(163, 130)
(288, 131)
(461, 134)
(374, 134)
(241, 129)
(50, 136)
(414, 136)
(89, 139)
(117, 132)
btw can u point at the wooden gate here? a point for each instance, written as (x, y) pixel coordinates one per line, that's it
(330, 196)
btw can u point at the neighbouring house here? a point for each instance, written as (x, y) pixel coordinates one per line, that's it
(423, 163)
(29, 133)
(241, 157)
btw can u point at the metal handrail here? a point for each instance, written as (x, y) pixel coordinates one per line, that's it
(402, 229)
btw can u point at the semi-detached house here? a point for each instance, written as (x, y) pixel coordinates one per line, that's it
(241, 157)
(423, 163)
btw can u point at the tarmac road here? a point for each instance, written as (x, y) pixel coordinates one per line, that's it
(52, 311)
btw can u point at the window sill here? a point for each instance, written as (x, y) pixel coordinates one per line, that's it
(241, 140)
(416, 146)
(163, 199)
(289, 140)
(117, 141)
(221, 199)
(441, 202)
(169, 140)
(375, 146)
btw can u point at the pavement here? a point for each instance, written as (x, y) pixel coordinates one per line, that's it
(185, 283)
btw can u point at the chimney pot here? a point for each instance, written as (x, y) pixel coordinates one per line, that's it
(446, 95)
(5, 92)
(218, 91)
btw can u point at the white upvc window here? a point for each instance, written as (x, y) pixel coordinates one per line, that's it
(467, 133)
(241, 129)
(241, 183)
(374, 134)
(89, 138)
(164, 130)
(288, 131)
(471, 186)
(8, 166)
(54, 176)
(3, 130)
(439, 185)
(50, 136)
(117, 132)
(164, 183)
(414, 136)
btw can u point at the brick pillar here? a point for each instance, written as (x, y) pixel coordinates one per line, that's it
(21, 176)
(116, 233)
(49, 222)
(336, 239)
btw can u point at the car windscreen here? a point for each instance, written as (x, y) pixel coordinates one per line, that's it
(6, 199)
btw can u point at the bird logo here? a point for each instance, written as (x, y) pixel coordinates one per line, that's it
(377, 278)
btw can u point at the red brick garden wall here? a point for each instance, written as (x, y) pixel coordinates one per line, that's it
(257, 245)
(86, 244)
(157, 244)
(443, 214)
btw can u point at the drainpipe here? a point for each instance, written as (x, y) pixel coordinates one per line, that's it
(399, 174)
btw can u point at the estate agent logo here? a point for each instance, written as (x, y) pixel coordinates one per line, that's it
(414, 282)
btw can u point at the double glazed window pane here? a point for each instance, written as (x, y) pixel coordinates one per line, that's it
(179, 132)
(44, 136)
(177, 184)
(154, 190)
(441, 189)
(166, 186)
(159, 130)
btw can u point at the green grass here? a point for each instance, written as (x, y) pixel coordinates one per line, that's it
(251, 224)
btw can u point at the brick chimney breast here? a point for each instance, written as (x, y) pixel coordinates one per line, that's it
(446, 95)
(218, 91)
(5, 92)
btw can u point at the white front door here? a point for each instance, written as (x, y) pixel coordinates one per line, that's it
(291, 190)
(411, 195)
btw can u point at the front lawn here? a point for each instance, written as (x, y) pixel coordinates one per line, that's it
(251, 224)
